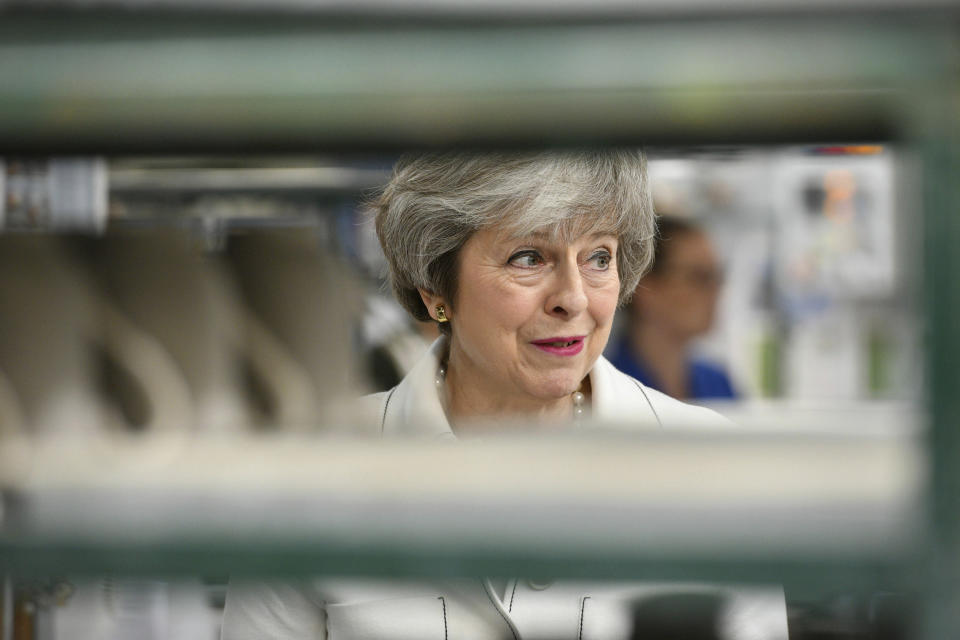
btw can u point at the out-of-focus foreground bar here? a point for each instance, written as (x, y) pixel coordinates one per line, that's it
(666, 505)
(114, 81)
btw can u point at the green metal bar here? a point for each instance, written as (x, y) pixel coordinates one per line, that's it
(941, 135)
(655, 508)
(803, 576)
(193, 84)
(943, 315)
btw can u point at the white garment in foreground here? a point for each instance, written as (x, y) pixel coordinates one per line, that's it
(473, 609)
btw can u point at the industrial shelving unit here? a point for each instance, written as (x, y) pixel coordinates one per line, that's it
(178, 78)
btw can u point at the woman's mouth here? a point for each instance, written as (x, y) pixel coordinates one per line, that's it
(561, 346)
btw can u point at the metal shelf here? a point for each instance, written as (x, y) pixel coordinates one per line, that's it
(607, 506)
(177, 82)
(123, 82)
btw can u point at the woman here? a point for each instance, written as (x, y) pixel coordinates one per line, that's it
(521, 260)
(674, 304)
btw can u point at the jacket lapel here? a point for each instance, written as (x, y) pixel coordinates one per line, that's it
(413, 408)
(619, 398)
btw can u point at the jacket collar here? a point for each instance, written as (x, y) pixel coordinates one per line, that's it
(413, 407)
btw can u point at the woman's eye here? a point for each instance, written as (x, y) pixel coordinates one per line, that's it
(526, 259)
(602, 260)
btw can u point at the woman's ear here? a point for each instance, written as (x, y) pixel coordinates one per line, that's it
(431, 301)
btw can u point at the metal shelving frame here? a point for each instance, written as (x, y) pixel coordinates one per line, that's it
(117, 81)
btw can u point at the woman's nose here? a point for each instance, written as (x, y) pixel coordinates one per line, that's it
(567, 297)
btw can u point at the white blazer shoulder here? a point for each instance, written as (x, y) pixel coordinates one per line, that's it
(619, 398)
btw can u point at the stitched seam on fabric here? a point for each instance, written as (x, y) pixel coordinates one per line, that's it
(444, 603)
(383, 419)
(647, 398)
(509, 626)
(512, 593)
(326, 618)
(583, 605)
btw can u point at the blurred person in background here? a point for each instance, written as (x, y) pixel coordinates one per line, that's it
(673, 305)
(521, 261)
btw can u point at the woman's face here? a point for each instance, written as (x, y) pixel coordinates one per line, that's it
(682, 298)
(532, 314)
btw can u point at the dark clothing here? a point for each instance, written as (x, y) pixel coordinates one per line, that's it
(706, 380)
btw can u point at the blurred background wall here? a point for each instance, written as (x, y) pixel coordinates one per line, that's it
(245, 295)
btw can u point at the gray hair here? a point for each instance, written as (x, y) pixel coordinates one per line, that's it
(434, 202)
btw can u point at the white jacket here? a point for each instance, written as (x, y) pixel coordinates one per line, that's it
(476, 609)
(413, 407)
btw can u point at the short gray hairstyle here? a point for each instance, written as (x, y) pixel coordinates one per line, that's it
(434, 202)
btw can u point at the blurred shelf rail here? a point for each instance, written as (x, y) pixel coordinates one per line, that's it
(497, 9)
(133, 81)
(609, 506)
(126, 180)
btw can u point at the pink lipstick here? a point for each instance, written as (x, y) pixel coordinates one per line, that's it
(561, 346)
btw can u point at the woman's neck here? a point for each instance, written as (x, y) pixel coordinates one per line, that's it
(664, 355)
(472, 403)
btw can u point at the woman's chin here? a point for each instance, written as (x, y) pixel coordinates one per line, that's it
(556, 388)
